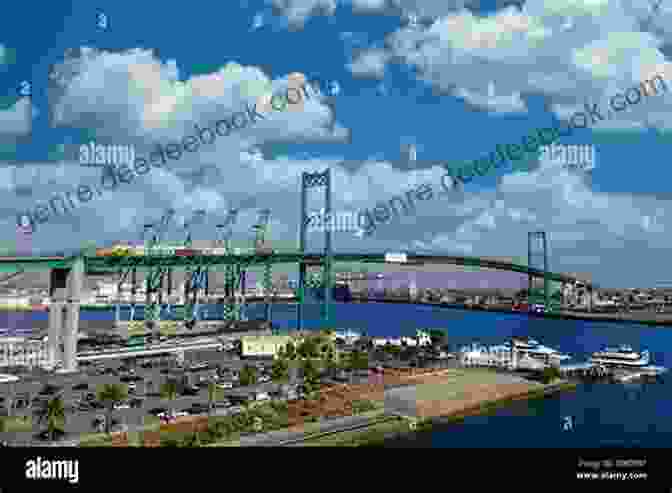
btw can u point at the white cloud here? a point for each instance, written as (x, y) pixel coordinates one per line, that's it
(571, 53)
(298, 11)
(18, 120)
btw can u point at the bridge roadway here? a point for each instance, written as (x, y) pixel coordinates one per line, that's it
(133, 353)
(152, 351)
(100, 265)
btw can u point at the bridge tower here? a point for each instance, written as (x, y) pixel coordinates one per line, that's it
(260, 228)
(537, 249)
(308, 181)
(65, 290)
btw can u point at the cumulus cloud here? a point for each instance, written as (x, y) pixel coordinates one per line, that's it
(298, 11)
(18, 120)
(569, 52)
(133, 97)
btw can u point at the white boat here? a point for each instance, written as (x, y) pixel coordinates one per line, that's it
(527, 346)
(622, 356)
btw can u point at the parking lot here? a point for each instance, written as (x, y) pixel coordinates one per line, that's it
(80, 390)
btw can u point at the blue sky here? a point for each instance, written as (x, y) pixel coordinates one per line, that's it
(159, 68)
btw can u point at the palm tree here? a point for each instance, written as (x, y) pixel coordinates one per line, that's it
(11, 399)
(248, 375)
(112, 394)
(290, 351)
(212, 396)
(52, 412)
(280, 370)
(169, 391)
(310, 376)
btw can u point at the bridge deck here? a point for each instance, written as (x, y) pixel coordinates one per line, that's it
(110, 264)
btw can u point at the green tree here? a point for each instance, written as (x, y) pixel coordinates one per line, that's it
(332, 362)
(439, 337)
(169, 390)
(550, 374)
(248, 375)
(309, 348)
(53, 413)
(311, 376)
(359, 360)
(192, 441)
(212, 396)
(280, 370)
(112, 394)
(290, 351)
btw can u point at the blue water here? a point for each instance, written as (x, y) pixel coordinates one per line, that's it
(603, 414)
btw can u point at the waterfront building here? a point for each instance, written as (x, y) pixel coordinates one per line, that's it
(264, 345)
(347, 336)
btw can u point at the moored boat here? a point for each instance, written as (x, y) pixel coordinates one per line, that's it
(622, 356)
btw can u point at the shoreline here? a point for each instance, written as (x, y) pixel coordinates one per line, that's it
(663, 320)
(404, 428)
(659, 320)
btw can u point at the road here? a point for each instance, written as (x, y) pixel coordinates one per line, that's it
(286, 438)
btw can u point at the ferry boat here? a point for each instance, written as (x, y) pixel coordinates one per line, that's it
(528, 350)
(622, 356)
(527, 346)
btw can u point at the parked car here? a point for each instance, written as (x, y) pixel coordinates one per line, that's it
(191, 390)
(122, 405)
(157, 411)
(136, 402)
(50, 389)
(83, 406)
(81, 386)
(225, 385)
(198, 408)
(131, 378)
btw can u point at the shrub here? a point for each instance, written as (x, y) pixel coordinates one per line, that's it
(550, 374)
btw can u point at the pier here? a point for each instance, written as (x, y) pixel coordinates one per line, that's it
(620, 375)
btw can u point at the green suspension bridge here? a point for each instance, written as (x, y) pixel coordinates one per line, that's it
(158, 266)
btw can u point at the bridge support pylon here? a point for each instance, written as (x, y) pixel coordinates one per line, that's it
(66, 294)
(536, 240)
(314, 180)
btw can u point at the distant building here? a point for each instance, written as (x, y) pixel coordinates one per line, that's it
(421, 339)
(270, 345)
(24, 237)
(19, 351)
(264, 345)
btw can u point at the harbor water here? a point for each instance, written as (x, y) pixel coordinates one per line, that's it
(632, 414)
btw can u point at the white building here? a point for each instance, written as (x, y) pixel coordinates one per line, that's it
(382, 341)
(421, 339)
(347, 336)
(19, 351)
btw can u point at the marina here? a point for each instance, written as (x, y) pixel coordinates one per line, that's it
(619, 365)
